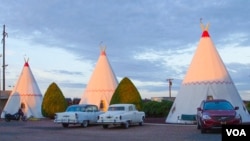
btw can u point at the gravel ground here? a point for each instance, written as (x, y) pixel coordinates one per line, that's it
(46, 130)
(155, 120)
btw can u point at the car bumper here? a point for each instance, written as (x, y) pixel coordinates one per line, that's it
(114, 122)
(211, 124)
(69, 121)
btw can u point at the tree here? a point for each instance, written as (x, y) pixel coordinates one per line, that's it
(248, 106)
(126, 92)
(53, 101)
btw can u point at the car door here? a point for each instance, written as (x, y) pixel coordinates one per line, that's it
(91, 113)
(133, 113)
(96, 113)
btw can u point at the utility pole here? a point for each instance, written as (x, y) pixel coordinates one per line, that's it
(3, 41)
(169, 85)
(0, 86)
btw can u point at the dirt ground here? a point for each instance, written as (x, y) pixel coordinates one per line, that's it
(47, 130)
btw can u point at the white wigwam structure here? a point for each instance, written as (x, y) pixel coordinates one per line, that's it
(101, 85)
(207, 77)
(26, 95)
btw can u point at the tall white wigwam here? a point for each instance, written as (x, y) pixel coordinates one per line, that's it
(207, 77)
(26, 95)
(101, 85)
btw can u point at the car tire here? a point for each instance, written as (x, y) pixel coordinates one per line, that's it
(141, 122)
(24, 118)
(203, 130)
(85, 124)
(65, 125)
(126, 125)
(105, 126)
(7, 119)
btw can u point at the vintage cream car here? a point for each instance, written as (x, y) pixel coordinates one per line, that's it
(121, 115)
(82, 114)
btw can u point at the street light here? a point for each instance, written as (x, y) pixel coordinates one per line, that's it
(170, 85)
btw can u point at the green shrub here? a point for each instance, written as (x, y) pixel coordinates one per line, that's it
(157, 109)
(248, 106)
(53, 101)
(126, 92)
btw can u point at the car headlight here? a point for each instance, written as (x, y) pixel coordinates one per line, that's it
(206, 117)
(237, 116)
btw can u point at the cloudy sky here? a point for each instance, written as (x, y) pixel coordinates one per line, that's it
(148, 41)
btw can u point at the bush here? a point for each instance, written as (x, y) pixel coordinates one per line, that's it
(248, 106)
(126, 92)
(53, 101)
(157, 109)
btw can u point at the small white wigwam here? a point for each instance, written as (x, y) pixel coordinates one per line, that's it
(25, 95)
(101, 85)
(207, 77)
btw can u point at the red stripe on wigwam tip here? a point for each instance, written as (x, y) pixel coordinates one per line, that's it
(103, 53)
(205, 34)
(26, 64)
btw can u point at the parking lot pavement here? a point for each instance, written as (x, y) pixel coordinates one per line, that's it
(47, 130)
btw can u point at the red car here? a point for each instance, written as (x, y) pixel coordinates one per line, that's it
(213, 113)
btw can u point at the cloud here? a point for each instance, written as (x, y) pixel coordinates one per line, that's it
(147, 41)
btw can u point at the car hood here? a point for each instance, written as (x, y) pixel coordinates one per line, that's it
(220, 112)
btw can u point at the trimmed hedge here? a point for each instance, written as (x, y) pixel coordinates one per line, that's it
(126, 92)
(157, 109)
(53, 101)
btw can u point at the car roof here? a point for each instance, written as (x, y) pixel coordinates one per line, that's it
(216, 100)
(122, 104)
(82, 105)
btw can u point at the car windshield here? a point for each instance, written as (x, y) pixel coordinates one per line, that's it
(218, 105)
(116, 109)
(76, 109)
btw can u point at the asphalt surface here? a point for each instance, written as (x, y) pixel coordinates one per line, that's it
(47, 130)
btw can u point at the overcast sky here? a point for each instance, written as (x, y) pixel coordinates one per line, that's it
(147, 41)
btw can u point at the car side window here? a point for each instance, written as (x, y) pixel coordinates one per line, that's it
(82, 109)
(77, 109)
(89, 109)
(202, 105)
(130, 108)
(95, 109)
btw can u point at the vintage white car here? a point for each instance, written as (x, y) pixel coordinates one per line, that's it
(82, 114)
(121, 115)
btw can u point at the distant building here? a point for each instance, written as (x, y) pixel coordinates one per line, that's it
(76, 100)
(160, 99)
(4, 95)
(69, 101)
